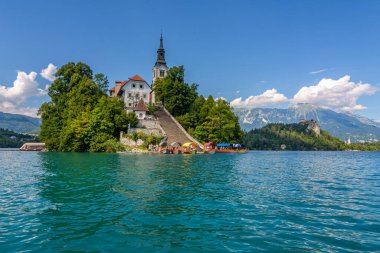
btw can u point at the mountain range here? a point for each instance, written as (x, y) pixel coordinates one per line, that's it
(342, 125)
(19, 123)
(345, 126)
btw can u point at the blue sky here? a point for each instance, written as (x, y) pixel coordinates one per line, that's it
(268, 50)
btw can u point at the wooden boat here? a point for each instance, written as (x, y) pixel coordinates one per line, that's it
(230, 148)
(209, 148)
(177, 152)
(210, 151)
(189, 148)
(231, 151)
(166, 151)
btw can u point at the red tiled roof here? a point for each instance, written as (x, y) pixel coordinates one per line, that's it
(141, 106)
(120, 84)
(112, 89)
(136, 78)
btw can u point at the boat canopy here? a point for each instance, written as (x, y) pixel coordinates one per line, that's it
(207, 144)
(188, 144)
(224, 145)
(237, 145)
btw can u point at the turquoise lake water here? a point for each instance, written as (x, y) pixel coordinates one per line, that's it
(259, 201)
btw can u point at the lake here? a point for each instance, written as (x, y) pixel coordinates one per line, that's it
(259, 201)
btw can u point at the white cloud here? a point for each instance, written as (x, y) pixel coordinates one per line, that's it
(49, 72)
(24, 86)
(44, 91)
(14, 98)
(340, 95)
(12, 108)
(317, 71)
(269, 97)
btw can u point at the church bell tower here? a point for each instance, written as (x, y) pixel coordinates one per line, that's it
(160, 69)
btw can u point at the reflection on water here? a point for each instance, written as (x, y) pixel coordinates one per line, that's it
(270, 201)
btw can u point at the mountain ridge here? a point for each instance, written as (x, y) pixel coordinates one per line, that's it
(19, 123)
(344, 126)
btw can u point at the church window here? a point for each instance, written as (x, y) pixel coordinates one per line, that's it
(140, 115)
(130, 104)
(134, 85)
(162, 73)
(144, 95)
(130, 94)
(141, 86)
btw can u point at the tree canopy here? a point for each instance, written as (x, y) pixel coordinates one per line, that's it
(174, 93)
(205, 119)
(80, 115)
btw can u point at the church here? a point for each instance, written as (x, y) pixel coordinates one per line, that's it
(138, 93)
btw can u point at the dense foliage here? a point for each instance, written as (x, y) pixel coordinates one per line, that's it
(146, 138)
(10, 139)
(293, 136)
(80, 115)
(205, 119)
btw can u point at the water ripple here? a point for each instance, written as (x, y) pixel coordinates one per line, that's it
(260, 201)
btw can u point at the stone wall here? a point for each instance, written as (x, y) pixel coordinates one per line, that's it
(153, 131)
(131, 143)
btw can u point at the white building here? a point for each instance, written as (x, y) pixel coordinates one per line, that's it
(131, 91)
(140, 109)
(136, 88)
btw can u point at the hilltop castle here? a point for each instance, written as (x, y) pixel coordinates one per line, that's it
(136, 92)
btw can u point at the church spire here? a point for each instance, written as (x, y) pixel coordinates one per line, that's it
(161, 42)
(161, 53)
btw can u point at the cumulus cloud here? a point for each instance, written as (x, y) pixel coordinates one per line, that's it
(12, 98)
(15, 99)
(269, 97)
(340, 95)
(49, 72)
(24, 86)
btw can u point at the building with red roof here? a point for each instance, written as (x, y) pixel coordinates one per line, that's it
(136, 90)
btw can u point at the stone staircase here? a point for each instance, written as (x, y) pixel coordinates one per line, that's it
(173, 130)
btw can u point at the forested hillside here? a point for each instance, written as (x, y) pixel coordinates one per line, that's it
(291, 137)
(10, 139)
(19, 123)
(298, 136)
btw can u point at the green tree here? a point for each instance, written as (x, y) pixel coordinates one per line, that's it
(174, 93)
(220, 124)
(132, 119)
(102, 81)
(80, 116)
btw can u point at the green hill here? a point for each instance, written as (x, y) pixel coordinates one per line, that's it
(19, 123)
(10, 139)
(297, 136)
